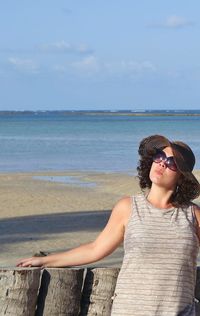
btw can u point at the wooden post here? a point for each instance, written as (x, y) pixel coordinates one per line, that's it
(60, 292)
(18, 291)
(98, 291)
(197, 292)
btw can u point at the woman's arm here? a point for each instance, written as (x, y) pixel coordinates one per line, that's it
(197, 215)
(107, 241)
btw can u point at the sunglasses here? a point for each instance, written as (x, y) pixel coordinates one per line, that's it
(169, 162)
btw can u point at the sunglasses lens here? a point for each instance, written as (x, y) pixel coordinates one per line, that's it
(158, 157)
(171, 164)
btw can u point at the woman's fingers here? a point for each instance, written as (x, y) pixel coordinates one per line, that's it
(22, 262)
(29, 262)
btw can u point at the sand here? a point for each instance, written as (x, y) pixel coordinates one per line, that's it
(39, 215)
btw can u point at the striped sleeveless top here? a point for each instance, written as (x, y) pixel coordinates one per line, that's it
(158, 273)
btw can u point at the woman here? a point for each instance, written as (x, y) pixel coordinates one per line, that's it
(160, 229)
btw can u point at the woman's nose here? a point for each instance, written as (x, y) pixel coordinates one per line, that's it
(163, 164)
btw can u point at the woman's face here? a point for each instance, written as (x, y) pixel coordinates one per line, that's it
(161, 175)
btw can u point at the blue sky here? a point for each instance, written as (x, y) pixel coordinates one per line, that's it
(92, 54)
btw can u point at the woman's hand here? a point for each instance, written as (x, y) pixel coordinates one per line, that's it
(31, 262)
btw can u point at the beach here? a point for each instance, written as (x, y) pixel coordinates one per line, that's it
(45, 212)
(61, 173)
(56, 211)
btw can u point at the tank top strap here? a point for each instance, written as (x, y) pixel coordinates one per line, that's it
(137, 208)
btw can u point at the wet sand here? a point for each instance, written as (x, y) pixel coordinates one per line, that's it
(40, 214)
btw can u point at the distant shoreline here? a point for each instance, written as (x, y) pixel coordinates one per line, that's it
(148, 113)
(142, 114)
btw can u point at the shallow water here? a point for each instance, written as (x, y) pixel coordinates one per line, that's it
(40, 141)
(72, 180)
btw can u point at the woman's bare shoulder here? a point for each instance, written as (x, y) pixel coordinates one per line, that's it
(123, 208)
(124, 203)
(196, 208)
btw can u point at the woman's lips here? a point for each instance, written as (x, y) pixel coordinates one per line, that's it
(159, 172)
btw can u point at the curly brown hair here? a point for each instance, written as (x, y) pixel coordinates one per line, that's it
(187, 189)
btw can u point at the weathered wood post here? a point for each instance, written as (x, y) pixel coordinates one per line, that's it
(60, 292)
(18, 291)
(197, 291)
(98, 291)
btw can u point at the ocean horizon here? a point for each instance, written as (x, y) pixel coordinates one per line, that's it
(101, 141)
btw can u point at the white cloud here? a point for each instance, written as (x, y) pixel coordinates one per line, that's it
(131, 67)
(65, 47)
(61, 68)
(89, 64)
(83, 48)
(174, 74)
(134, 66)
(24, 65)
(173, 22)
(57, 46)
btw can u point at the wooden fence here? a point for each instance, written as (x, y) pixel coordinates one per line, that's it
(61, 292)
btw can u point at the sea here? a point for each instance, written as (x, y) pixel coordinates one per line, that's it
(100, 141)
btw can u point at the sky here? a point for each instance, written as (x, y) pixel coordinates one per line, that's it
(98, 55)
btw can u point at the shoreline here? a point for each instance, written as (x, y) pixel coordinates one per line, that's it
(34, 193)
(25, 194)
(39, 215)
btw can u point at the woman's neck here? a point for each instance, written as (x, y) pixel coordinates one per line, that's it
(160, 197)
